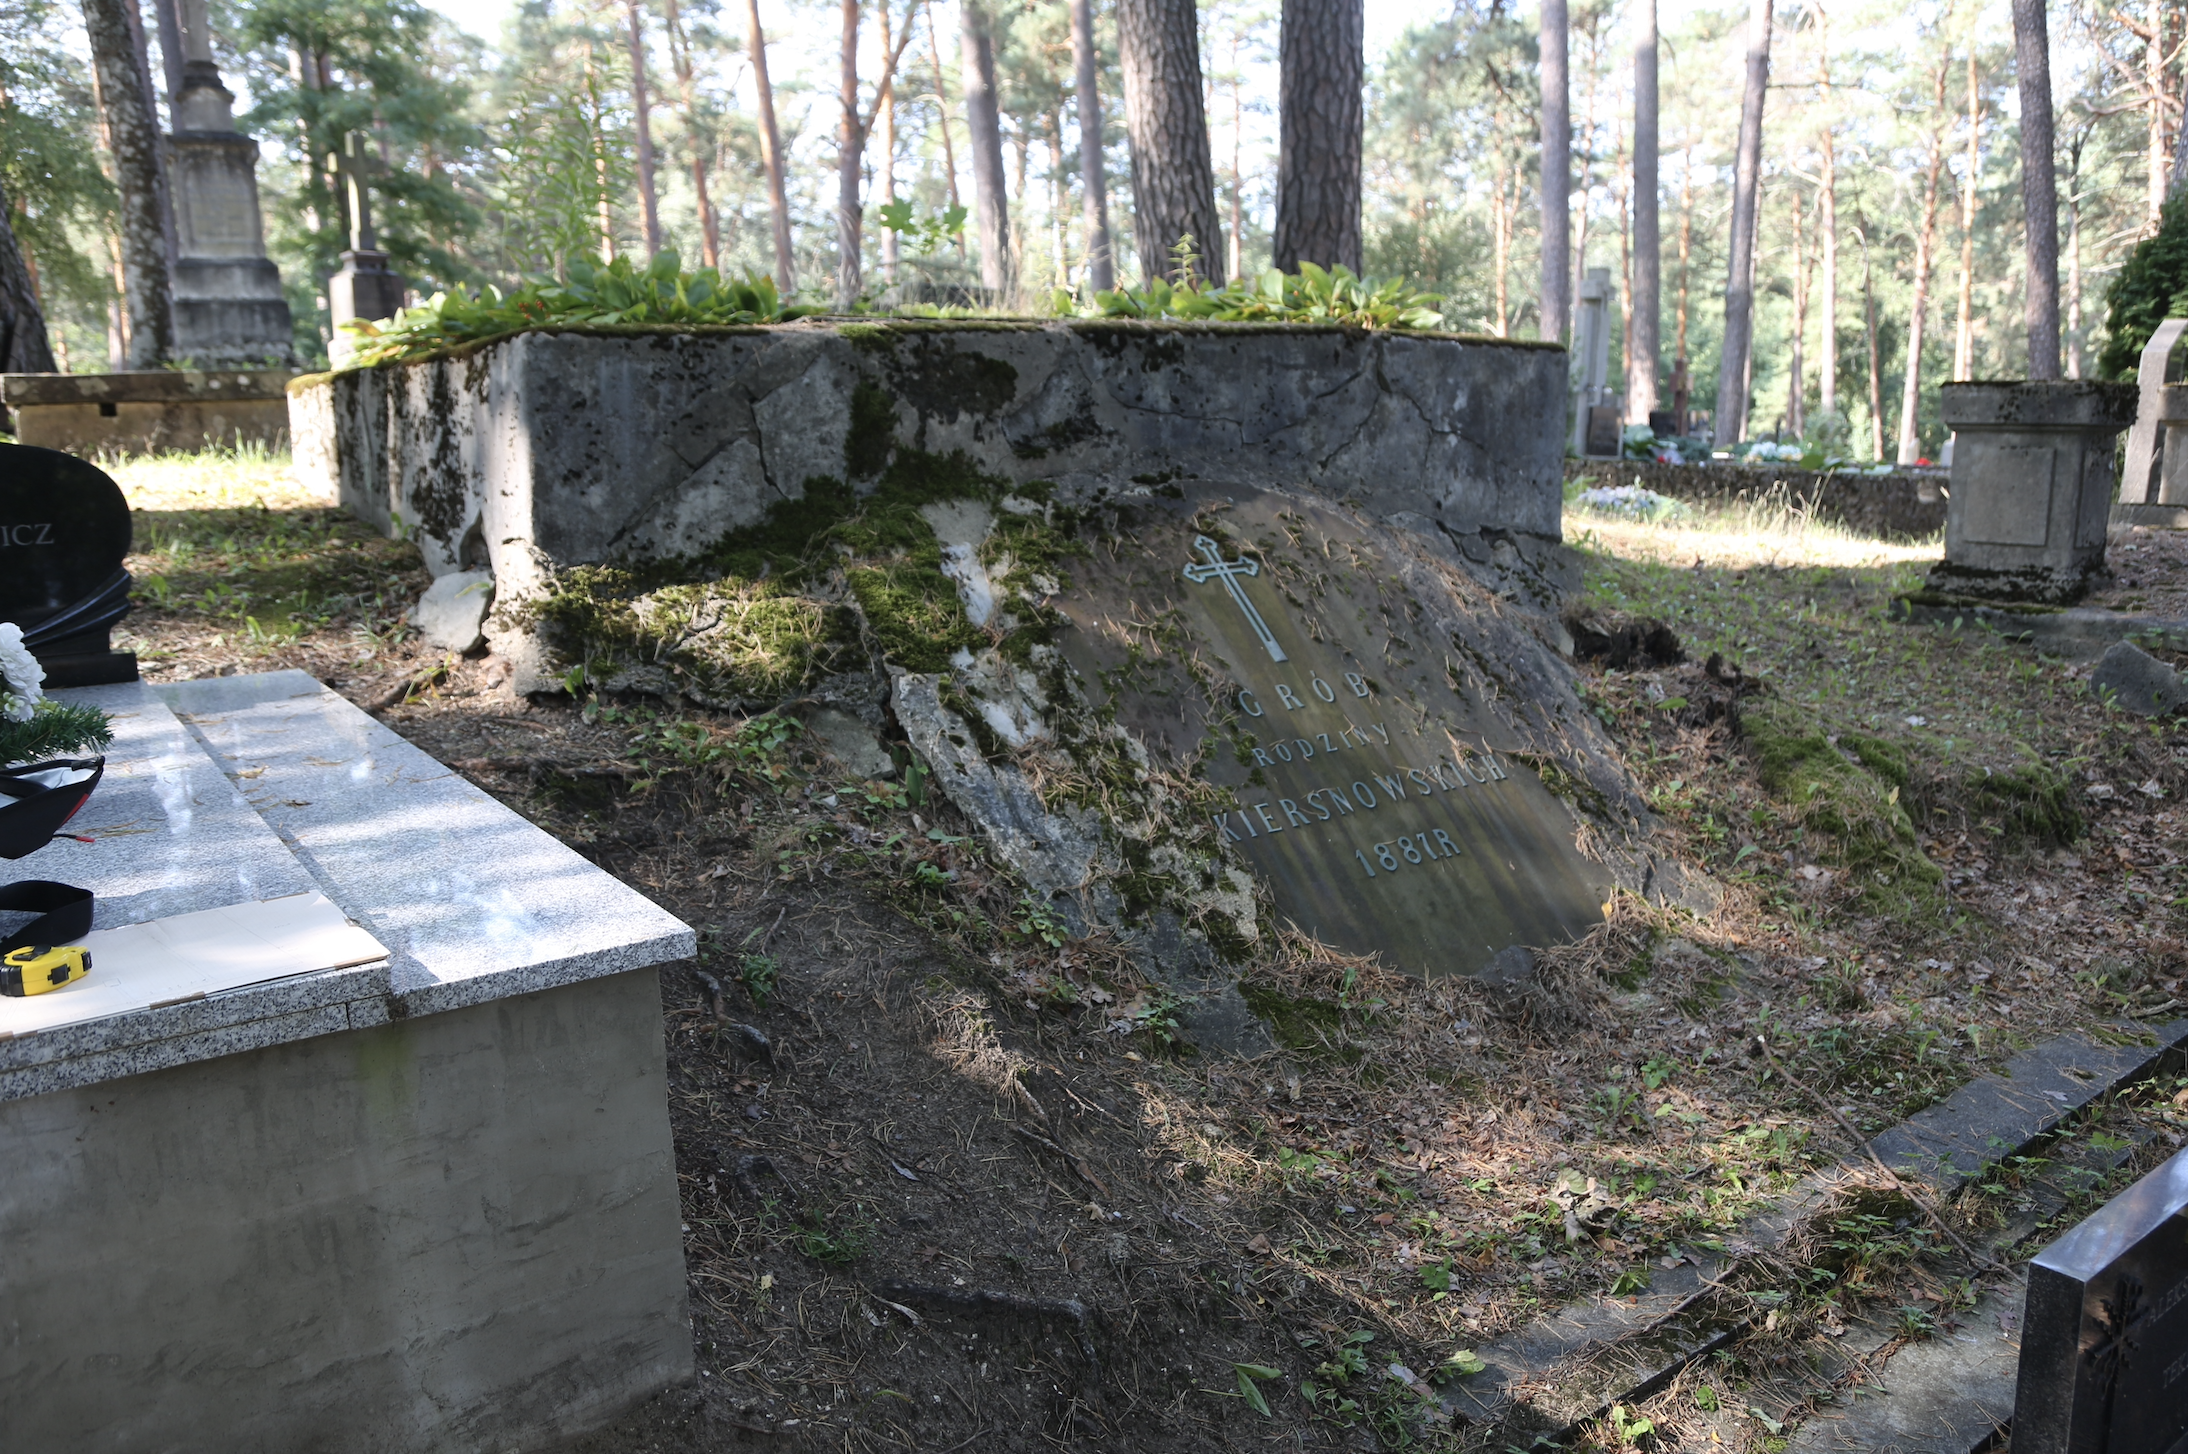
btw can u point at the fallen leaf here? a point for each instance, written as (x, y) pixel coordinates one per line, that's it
(1260, 1245)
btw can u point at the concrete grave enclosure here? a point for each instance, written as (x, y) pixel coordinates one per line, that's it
(1429, 465)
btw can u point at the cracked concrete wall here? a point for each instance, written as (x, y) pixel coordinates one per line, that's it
(552, 449)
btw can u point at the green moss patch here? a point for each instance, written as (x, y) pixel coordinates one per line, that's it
(1300, 1024)
(1835, 793)
(815, 585)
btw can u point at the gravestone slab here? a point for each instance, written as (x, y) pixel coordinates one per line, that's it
(2104, 1335)
(1275, 648)
(2140, 491)
(64, 531)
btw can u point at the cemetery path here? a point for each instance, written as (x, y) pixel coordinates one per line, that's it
(952, 1178)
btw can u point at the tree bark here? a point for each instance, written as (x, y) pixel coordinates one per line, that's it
(1557, 174)
(1963, 338)
(1648, 256)
(24, 348)
(1173, 179)
(2039, 186)
(1100, 263)
(983, 121)
(1827, 224)
(1739, 334)
(850, 152)
(710, 226)
(1910, 392)
(891, 244)
(649, 202)
(1322, 75)
(771, 154)
(1796, 400)
(132, 136)
(1876, 369)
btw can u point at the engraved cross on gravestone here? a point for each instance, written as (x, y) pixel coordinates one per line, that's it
(1229, 572)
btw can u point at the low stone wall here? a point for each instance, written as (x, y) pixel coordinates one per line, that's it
(148, 411)
(554, 449)
(1893, 506)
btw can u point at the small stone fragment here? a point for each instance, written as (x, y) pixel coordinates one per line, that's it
(452, 612)
(2138, 681)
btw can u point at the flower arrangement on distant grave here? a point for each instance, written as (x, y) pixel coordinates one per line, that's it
(33, 727)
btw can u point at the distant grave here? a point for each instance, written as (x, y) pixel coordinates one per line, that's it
(1208, 627)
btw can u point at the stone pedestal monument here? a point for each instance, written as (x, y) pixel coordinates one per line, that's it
(229, 307)
(1595, 408)
(365, 287)
(2032, 481)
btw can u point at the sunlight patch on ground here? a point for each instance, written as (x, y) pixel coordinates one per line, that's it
(1740, 537)
(214, 479)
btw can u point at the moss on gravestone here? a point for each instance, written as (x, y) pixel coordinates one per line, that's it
(866, 444)
(766, 610)
(1301, 1024)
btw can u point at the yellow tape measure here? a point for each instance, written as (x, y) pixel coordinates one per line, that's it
(37, 968)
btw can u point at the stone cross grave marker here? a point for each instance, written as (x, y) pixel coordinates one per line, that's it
(64, 531)
(1371, 784)
(2104, 1335)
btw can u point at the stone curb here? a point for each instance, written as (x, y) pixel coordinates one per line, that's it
(1531, 1389)
(2073, 631)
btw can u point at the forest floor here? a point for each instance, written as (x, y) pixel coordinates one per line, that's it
(952, 1179)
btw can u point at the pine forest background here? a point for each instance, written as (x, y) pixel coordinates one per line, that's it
(506, 158)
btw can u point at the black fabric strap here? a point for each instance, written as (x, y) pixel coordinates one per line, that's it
(63, 910)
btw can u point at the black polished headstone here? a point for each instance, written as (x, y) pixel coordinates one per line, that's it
(64, 532)
(2104, 1333)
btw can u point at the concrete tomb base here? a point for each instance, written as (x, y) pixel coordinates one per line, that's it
(2031, 491)
(454, 1232)
(150, 411)
(423, 1202)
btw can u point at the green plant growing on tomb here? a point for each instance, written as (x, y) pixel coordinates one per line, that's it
(925, 234)
(618, 294)
(1311, 295)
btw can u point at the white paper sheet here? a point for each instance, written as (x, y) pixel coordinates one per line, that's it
(141, 966)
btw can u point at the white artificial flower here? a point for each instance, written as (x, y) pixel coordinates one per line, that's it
(23, 675)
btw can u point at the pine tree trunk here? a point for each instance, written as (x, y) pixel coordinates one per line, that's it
(1322, 74)
(771, 153)
(1910, 393)
(23, 345)
(1101, 267)
(984, 124)
(890, 242)
(2039, 187)
(1963, 338)
(850, 152)
(1173, 179)
(710, 226)
(1648, 256)
(1796, 399)
(1739, 334)
(1876, 364)
(1557, 174)
(1827, 221)
(132, 137)
(649, 202)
